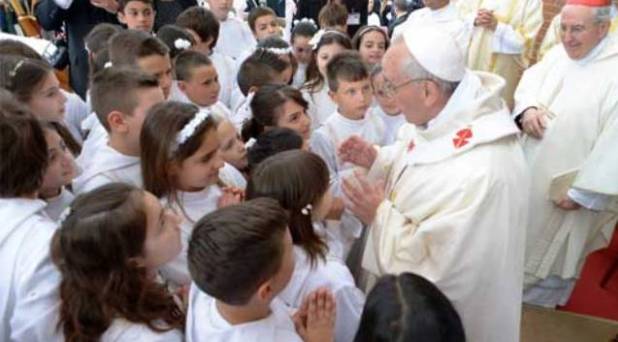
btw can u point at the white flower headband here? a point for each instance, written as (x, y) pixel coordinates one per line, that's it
(189, 129)
(279, 51)
(306, 210)
(317, 37)
(182, 44)
(305, 21)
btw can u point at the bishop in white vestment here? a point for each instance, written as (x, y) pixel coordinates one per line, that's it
(568, 107)
(454, 206)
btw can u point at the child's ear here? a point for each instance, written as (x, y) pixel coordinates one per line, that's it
(121, 18)
(182, 85)
(265, 291)
(253, 89)
(332, 95)
(117, 122)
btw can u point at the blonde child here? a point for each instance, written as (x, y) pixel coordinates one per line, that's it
(108, 250)
(180, 166)
(299, 180)
(326, 45)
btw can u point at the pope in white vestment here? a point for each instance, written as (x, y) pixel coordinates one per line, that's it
(574, 160)
(454, 207)
(506, 48)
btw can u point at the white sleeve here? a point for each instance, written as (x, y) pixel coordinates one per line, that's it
(349, 302)
(589, 200)
(321, 145)
(76, 111)
(507, 41)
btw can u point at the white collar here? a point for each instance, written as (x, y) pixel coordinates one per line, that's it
(349, 122)
(594, 53)
(464, 94)
(445, 13)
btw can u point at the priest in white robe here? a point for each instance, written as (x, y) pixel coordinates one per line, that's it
(503, 37)
(453, 208)
(567, 105)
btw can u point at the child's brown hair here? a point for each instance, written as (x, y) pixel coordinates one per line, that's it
(128, 46)
(186, 62)
(201, 21)
(346, 66)
(160, 147)
(333, 14)
(297, 179)
(257, 13)
(123, 3)
(23, 149)
(236, 249)
(114, 89)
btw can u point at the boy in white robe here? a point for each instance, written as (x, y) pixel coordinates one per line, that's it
(350, 89)
(121, 98)
(453, 202)
(240, 258)
(570, 155)
(29, 299)
(234, 35)
(204, 27)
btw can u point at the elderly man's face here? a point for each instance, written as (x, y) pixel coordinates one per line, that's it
(579, 31)
(407, 93)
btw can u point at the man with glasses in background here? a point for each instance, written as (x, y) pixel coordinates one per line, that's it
(448, 200)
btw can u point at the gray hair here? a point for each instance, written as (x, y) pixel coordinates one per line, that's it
(416, 71)
(602, 14)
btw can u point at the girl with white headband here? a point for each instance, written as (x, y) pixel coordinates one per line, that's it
(180, 165)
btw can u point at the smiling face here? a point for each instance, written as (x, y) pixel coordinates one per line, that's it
(232, 148)
(372, 47)
(61, 165)
(47, 101)
(203, 87)
(294, 116)
(138, 15)
(162, 243)
(202, 168)
(579, 31)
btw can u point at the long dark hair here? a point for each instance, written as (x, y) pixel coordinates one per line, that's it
(314, 78)
(22, 76)
(95, 250)
(295, 178)
(408, 307)
(266, 108)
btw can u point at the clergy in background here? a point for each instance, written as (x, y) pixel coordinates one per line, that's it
(453, 204)
(568, 108)
(441, 13)
(503, 34)
(552, 37)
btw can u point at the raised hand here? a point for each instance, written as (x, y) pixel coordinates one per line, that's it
(362, 196)
(315, 320)
(357, 151)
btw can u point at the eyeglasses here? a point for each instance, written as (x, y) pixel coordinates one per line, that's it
(390, 90)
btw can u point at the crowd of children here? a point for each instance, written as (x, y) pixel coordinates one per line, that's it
(194, 194)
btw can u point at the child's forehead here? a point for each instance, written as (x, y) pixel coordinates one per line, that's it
(352, 83)
(138, 4)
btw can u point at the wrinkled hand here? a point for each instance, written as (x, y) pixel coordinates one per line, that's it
(109, 5)
(357, 151)
(230, 196)
(315, 319)
(336, 209)
(567, 204)
(486, 18)
(534, 122)
(363, 197)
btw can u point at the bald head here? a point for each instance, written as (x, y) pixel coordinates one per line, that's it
(582, 28)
